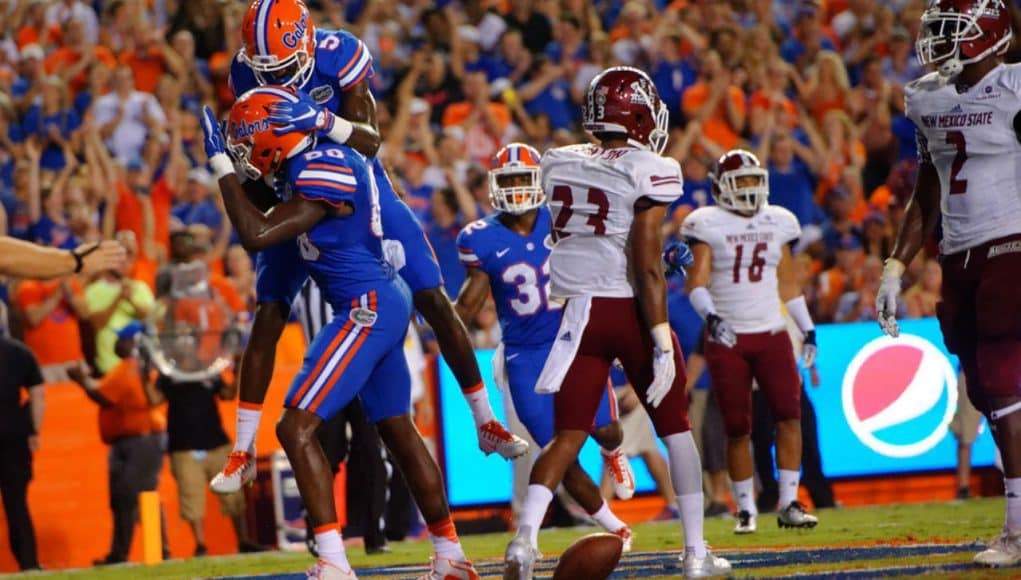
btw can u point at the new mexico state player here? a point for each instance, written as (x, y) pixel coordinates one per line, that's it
(967, 118)
(742, 270)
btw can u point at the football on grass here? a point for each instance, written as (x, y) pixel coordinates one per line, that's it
(590, 558)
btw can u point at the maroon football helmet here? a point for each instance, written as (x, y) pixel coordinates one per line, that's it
(622, 99)
(956, 33)
(748, 196)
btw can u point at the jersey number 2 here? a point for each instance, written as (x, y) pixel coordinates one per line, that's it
(565, 195)
(956, 138)
(755, 268)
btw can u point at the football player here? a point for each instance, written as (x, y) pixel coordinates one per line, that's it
(328, 70)
(508, 253)
(608, 203)
(967, 116)
(742, 271)
(332, 207)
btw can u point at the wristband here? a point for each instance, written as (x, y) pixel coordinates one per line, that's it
(702, 302)
(79, 259)
(662, 338)
(341, 130)
(798, 309)
(222, 165)
(893, 268)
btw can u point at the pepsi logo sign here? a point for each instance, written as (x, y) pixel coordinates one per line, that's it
(899, 395)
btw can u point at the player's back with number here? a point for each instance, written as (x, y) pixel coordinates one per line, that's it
(971, 140)
(592, 193)
(344, 254)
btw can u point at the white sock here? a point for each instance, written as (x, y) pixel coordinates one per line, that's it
(537, 499)
(744, 496)
(788, 482)
(248, 426)
(445, 542)
(478, 401)
(1013, 491)
(605, 517)
(692, 520)
(331, 547)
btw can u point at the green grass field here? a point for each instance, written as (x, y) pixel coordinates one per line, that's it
(871, 529)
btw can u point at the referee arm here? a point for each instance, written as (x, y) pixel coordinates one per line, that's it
(22, 259)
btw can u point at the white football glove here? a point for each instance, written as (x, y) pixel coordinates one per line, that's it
(663, 374)
(720, 331)
(886, 298)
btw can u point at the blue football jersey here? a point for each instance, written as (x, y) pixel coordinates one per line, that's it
(518, 270)
(341, 62)
(344, 254)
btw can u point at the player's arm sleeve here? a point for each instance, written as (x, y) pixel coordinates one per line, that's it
(694, 229)
(911, 93)
(350, 61)
(662, 182)
(468, 250)
(790, 229)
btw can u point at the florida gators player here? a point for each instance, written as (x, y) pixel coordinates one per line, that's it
(608, 203)
(967, 116)
(742, 271)
(328, 69)
(508, 253)
(331, 206)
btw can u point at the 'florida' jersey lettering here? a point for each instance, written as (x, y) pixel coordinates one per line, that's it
(518, 270)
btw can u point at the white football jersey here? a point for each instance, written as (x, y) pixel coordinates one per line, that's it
(592, 193)
(970, 139)
(746, 252)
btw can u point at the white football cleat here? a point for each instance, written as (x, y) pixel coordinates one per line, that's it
(707, 567)
(795, 516)
(323, 570)
(1004, 550)
(446, 569)
(495, 438)
(239, 471)
(519, 560)
(620, 472)
(745, 523)
(627, 537)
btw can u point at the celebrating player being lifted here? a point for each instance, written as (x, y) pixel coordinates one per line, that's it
(508, 252)
(608, 204)
(742, 271)
(967, 118)
(328, 71)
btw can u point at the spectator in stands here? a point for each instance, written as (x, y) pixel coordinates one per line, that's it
(54, 122)
(63, 11)
(808, 39)
(135, 430)
(19, 440)
(72, 60)
(28, 83)
(198, 448)
(115, 301)
(535, 27)
(922, 297)
(716, 102)
(51, 313)
(197, 205)
(484, 122)
(549, 92)
(126, 117)
(876, 236)
(842, 277)
(451, 210)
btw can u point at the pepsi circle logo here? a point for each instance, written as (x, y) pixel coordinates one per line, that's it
(899, 395)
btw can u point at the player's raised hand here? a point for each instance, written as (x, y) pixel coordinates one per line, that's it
(303, 116)
(886, 298)
(212, 137)
(663, 374)
(720, 331)
(809, 350)
(677, 258)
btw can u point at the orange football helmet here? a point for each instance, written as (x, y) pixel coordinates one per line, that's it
(510, 195)
(279, 42)
(251, 139)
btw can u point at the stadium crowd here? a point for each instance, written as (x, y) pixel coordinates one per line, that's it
(100, 138)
